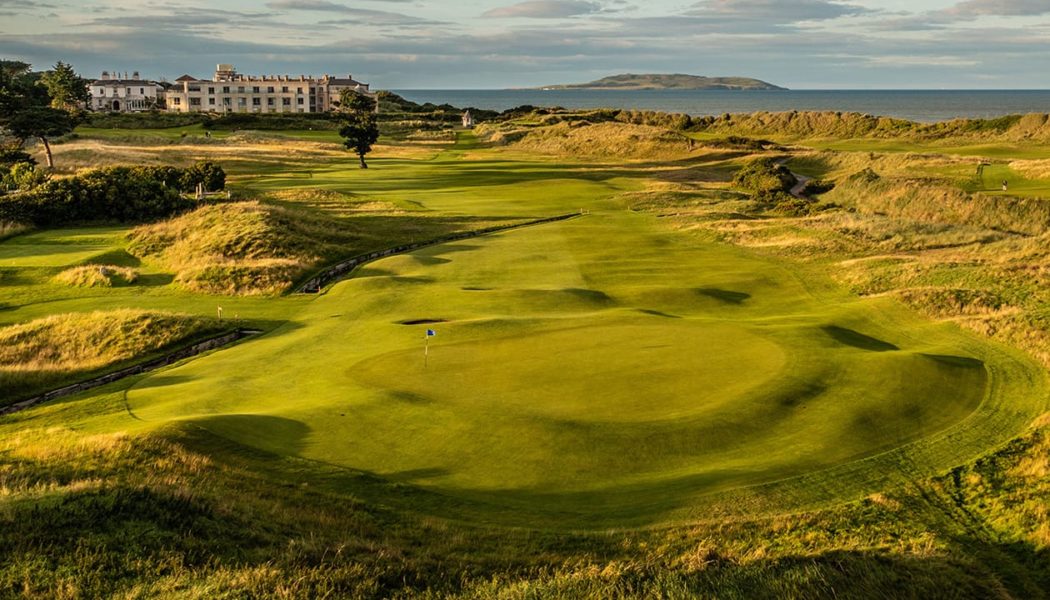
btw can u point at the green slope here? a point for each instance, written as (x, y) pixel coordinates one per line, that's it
(676, 81)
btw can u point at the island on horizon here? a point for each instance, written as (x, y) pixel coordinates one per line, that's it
(675, 81)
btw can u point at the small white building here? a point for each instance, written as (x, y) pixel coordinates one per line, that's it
(114, 93)
(468, 120)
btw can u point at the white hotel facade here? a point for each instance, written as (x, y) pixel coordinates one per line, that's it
(229, 91)
(123, 94)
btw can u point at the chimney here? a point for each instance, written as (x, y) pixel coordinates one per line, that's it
(105, 75)
(135, 75)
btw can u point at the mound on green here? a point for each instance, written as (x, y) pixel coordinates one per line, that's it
(61, 349)
(583, 138)
(89, 276)
(244, 248)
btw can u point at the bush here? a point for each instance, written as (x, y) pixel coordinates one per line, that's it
(204, 172)
(766, 179)
(23, 176)
(123, 194)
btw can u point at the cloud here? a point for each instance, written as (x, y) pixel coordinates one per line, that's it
(179, 18)
(1005, 8)
(822, 43)
(774, 11)
(544, 9)
(354, 16)
(314, 5)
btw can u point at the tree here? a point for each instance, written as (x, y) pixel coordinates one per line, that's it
(359, 132)
(68, 91)
(17, 89)
(352, 101)
(40, 123)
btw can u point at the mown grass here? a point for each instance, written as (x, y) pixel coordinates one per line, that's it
(322, 460)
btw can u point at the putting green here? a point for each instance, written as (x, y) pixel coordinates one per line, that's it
(603, 372)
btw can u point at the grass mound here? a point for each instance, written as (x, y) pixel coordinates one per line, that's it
(582, 138)
(59, 349)
(89, 276)
(247, 248)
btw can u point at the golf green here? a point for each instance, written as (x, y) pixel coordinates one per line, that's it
(604, 372)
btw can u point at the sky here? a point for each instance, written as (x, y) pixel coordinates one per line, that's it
(495, 44)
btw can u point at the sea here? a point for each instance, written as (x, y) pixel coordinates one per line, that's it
(915, 105)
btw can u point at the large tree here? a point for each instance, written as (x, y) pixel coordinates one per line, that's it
(353, 101)
(25, 96)
(41, 123)
(360, 131)
(68, 91)
(18, 88)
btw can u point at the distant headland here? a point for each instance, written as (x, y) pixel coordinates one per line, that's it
(676, 81)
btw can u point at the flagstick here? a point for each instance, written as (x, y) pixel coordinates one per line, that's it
(426, 351)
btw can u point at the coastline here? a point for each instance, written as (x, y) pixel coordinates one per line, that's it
(925, 106)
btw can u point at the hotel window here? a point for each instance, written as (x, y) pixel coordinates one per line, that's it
(256, 101)
(195, 101)
(242, 101)
(284, 89)
(176, 101)
(286, 101)
(269, 102)
(269, 90)
(211, 101)
(226, 101)
(240, 89)
(226, 89)
(142, 91)
(211, 90)
(300, 101)
(255, 89)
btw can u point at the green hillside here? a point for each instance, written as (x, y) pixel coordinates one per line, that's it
(676, 81)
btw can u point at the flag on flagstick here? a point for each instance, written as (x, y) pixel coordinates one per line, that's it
(426, 347)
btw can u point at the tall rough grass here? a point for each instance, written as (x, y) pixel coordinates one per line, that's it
(181, 513)
(97, 276)
(241, 248)
(59, 349)
(583, 138)
(827, 124)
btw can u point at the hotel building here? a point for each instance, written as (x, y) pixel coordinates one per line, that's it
(123, 94)
(229, 91)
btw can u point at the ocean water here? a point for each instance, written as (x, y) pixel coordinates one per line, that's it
(915, 105)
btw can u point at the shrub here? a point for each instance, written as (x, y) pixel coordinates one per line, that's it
(204, 172)
(765, 178)
(23, 176)
(123, 194)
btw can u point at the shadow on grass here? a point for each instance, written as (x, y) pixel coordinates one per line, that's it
(726, 296)
(856, 339)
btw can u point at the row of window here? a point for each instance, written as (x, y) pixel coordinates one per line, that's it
(177, 101)
(127, 91)
(242, 89)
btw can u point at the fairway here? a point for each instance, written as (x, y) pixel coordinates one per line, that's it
(603, 372)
